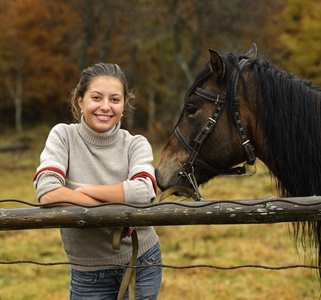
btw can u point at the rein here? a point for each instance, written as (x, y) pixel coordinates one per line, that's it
(220, 102)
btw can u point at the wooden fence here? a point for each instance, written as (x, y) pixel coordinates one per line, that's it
(269, 210)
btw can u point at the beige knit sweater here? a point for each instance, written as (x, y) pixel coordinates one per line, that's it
(75, 155)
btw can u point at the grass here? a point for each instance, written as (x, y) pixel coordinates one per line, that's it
(219, 245)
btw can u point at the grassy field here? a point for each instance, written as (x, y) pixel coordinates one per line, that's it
(220, 245)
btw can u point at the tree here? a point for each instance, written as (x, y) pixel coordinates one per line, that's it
(12, 73)
(94, 34)
(298, 44)
(35, 58)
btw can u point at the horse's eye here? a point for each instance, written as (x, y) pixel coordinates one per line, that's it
(191, 110)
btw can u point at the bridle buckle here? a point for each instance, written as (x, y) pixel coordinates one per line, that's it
(212, 120)
(191, 179)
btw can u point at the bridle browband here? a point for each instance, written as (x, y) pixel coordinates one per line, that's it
(220, 102)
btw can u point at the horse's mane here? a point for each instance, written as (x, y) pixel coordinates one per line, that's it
(292, 127)
(292, 122)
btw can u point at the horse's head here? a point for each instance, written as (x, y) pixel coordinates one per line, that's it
(214, 127)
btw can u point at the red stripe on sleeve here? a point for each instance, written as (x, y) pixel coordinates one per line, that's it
(146, 175)
(50, 169)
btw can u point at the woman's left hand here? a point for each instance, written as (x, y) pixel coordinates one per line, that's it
(129, 232)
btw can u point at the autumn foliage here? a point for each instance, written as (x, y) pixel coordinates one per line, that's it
(161, 46)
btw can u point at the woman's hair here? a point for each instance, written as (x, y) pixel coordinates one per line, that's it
(88, 74)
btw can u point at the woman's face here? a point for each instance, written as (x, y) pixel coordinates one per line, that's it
(103, 103)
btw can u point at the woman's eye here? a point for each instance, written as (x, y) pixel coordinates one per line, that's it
(191, 110)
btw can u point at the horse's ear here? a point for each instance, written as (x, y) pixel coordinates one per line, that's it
(252, 53)
(217, 65)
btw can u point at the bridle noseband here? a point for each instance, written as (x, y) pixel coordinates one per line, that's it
(220, 102)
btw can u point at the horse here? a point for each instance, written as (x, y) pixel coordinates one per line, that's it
(240, 108)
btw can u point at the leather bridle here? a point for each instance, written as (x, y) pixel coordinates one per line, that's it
(220, 102)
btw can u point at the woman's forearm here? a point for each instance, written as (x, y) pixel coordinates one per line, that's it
(104, 193)
(65, 194)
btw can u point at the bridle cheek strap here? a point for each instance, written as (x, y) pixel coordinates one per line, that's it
(200, 138)
(245, 141)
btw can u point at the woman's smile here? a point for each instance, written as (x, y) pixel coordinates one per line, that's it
(103, 117)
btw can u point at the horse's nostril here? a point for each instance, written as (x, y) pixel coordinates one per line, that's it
(157, 174)
(157, 179)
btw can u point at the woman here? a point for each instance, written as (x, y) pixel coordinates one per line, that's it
(92, 162)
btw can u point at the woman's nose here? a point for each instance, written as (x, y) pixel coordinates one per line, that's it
(105, 105)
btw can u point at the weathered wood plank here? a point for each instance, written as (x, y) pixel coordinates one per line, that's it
(273, 210)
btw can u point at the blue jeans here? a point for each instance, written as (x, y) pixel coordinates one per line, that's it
(105, 284)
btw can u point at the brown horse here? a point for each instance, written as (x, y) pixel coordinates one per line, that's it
(241, 107)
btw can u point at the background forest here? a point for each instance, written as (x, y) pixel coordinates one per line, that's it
(161, 46)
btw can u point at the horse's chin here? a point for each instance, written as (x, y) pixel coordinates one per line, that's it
(174, 179)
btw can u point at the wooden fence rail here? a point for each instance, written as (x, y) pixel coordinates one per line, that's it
(269, 210)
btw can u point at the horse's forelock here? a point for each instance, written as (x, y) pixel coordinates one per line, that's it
(205, 74)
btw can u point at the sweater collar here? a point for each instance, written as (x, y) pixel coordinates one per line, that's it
(96, 138)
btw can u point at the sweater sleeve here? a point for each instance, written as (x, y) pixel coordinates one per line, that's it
(141, 184)
(51, 172)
